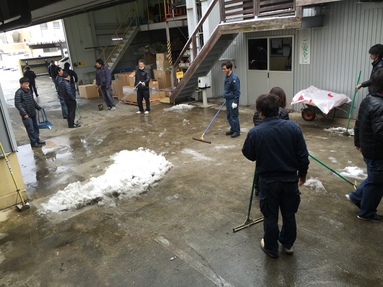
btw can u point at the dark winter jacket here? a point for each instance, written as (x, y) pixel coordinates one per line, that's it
(282, 114)
(232, 87)
(279, 149)
(31, 76)
(52, 70)
(65, 91)
(376, 65)
(103, 77)
(25, 103)
(73, 75)
(142, 76)
(368, 128)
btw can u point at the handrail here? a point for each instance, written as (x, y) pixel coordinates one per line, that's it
(117, 34)
(193, 35)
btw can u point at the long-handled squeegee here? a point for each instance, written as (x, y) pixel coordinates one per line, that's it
(201, 139)
(249, 222)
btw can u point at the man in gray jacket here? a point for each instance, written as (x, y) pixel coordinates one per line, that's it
(27, 107)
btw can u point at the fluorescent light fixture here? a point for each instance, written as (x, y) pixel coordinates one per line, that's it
(117, 39)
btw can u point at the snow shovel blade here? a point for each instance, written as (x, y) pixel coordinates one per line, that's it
(249, 222)
(22, 207)
(201, 139)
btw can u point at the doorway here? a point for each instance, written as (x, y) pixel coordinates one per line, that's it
(270, 65)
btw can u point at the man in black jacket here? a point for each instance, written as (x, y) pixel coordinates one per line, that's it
(73, 77)
(142, 84)
(281, 156)
(368, 140)
(52, 70)
(32, 83)
(69, 97)
(27, 106)
(376, 55)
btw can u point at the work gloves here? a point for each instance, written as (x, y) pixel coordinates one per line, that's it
(234, 106)
(143, 84)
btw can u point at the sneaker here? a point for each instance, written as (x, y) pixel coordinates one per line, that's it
(374, 218)
(113, 108)
(234, 135)
(288, 251)
(138, 112)
(108, 108)
(146, 112)
(41, 142)
(353, 202)
(275, 256)
(75, 126)
(229, 133)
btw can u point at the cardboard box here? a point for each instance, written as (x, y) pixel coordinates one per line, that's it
(88, 91)
(165, 100)
(130, 98)
(121, 80)
(161, 57)
(162, 65)
(154, 85)
(132, 78)
(163, 78)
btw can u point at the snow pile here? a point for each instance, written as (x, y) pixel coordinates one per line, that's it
(180, 107)
(339, 130)
(315, 184)
(132, 173)
(353, 172)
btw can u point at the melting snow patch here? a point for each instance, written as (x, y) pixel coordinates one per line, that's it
(339, 130)
(180, 107)
(353, 172)
(185, 122)
(315, 184)
(132, 173)
(225, 146)
(196, 154)
(332, 159)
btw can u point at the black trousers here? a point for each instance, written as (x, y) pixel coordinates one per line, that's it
(32, 87)
(143, 94)
(71, 105)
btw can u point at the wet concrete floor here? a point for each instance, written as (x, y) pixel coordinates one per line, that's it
(179, 233)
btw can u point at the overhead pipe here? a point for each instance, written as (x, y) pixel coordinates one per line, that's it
(24, 20)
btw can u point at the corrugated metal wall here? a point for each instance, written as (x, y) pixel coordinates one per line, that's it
(339, 50)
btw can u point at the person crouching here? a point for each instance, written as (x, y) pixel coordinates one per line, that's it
(66, 93)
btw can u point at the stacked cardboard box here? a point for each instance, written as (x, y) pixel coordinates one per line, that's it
(121, 80)
(88, 91)
(161, 74)
(130, 95)
(162, 62)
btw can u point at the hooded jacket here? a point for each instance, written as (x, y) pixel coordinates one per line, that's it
(368, 130)
(25, 103)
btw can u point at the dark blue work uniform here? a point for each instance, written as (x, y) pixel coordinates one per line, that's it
(231, 94)
(281, 156)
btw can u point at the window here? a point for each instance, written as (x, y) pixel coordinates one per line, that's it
(56, 25)
(257, 54)
(44, 26)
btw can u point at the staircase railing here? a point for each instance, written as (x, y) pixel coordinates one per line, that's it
(234, 10)
(130, 19)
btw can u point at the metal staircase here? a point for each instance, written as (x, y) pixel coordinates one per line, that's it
(121, 40)
(236, 17)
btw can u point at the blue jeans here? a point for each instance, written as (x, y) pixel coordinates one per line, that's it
(275, 195)
(107, 95)
(369, 193)
(232, 116)
(32, 128)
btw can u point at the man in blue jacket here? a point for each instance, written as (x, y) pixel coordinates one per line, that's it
(27, 107)
(231, 94)
(66, 92)
(104, 82)
(281, 156)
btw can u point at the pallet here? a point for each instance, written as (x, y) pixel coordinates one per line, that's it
(134, 103)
